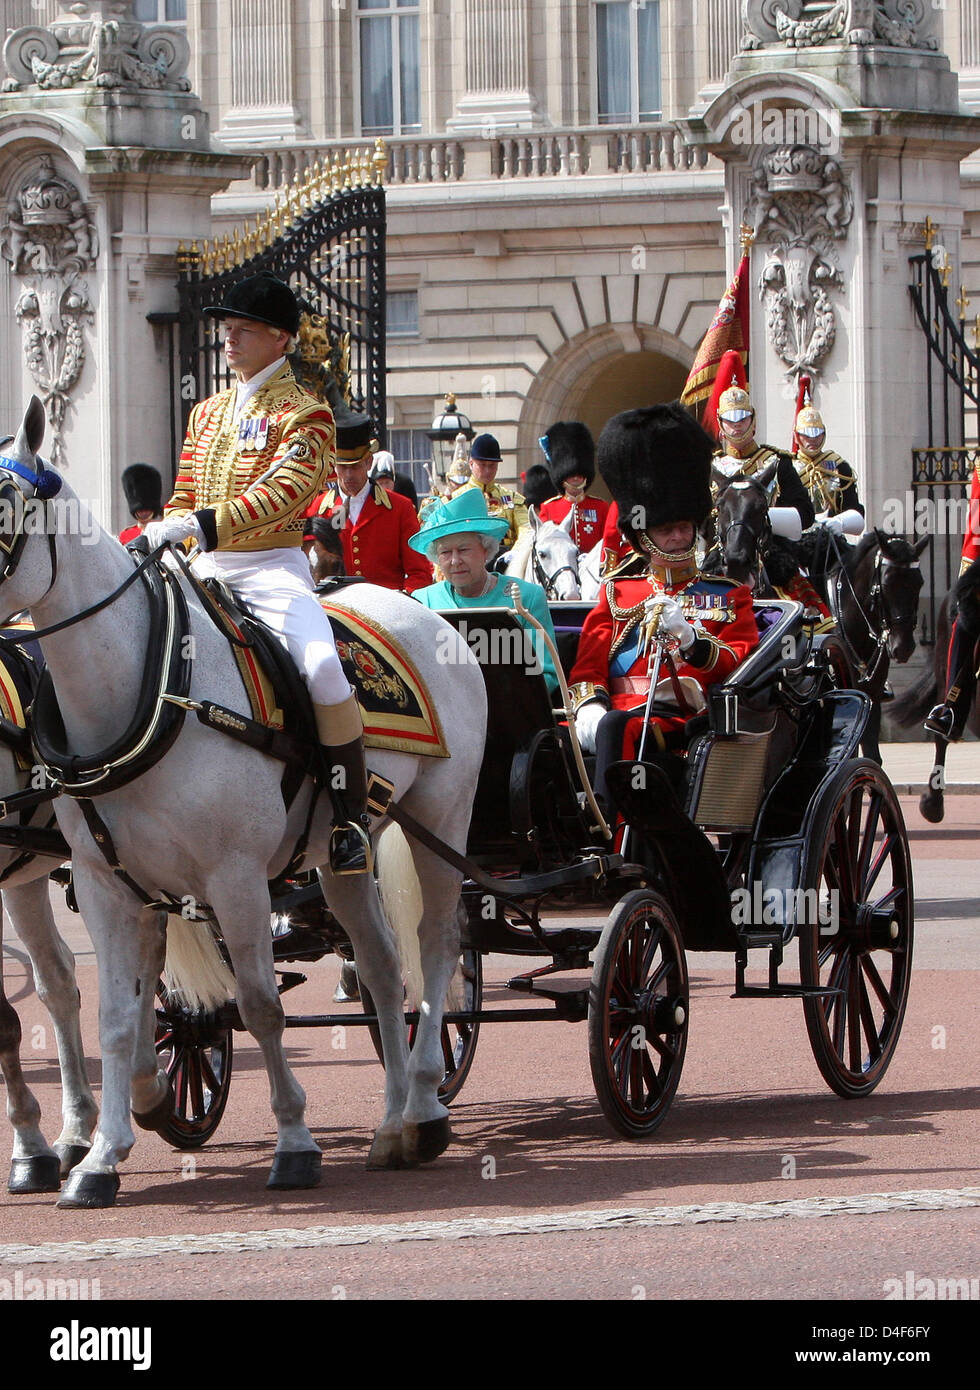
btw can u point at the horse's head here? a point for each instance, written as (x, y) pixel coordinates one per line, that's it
(26, 485)
(743, 523)
(554, 560)
(901, 581)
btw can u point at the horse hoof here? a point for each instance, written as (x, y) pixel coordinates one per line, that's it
(156, 1120)
(69, 1155)
(347, 991)
(386, 1156)
(427, 1141)
(295, 1170)
(932, 809)
(42, 1173)
(85, 1191)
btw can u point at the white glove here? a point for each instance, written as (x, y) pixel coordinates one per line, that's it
(786, 523)
(175, 529)
(852, 522)
(672, 620)
(587, 719)
(833, 524)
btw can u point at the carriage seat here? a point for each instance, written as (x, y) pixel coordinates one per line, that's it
(527, 781)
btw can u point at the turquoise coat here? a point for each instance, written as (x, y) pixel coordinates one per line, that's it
(443, 595)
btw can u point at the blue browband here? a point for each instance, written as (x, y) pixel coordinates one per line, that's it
(47, 483)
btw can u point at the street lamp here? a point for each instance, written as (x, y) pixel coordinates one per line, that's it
(443, 434)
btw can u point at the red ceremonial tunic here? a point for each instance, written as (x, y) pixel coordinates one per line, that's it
(615, 547)
(609, 663)
(971, 538)
(377, 547)
(588, 518)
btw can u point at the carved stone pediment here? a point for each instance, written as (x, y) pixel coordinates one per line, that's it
(50, 241)
(801, 207)
(98, 44)
(798, 24)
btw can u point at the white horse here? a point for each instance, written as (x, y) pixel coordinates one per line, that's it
(206, 824)
(590, 573)
(36, 1166)
(546, 554)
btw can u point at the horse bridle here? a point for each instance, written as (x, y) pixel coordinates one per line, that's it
(46, 484)
(547, 582)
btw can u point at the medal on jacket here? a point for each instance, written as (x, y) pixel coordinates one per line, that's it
(254, 434)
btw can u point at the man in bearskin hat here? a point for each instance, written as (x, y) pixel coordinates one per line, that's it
(254, 457)
(537, 487)
(502, 502)
(569, 450)
(143, 489)
(375, 524)
(657, 464)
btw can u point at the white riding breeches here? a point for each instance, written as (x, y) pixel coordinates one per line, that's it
(277, 587)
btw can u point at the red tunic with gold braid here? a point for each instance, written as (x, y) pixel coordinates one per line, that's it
(377, 547)
(282, 431)
(609, 664)
(971, 537)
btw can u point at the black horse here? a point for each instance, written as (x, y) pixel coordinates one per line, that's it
(962, 602)
(872, 589)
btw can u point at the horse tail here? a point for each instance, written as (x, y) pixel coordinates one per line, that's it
(195, 970)
(401, 898)
(912, 707)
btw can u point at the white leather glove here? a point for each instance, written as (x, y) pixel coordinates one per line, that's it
(175, 529)
(672, 621)
(852, 522)
(786, 523)
(833, 524)
(587, 719)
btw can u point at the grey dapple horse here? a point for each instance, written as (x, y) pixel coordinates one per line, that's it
(35, 1165)
(206, 823)
(546, 554)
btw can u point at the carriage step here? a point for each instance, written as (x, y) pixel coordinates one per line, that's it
(781, 991)
(570, 997)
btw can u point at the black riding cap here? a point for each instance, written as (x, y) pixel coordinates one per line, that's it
(570, 451)
(263, 299)
(656, 462)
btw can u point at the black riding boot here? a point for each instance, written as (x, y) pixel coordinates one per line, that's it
(350, 843)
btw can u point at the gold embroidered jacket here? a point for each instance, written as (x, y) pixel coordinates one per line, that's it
(249, 481)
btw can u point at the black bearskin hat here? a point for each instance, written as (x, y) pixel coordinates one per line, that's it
(143, 488)
(263, 299)
(656, 462)
(537, 486)
(570, 451)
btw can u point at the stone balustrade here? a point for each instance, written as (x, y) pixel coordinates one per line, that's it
(413, 160)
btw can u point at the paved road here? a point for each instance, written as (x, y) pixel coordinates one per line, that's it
(761, 1184)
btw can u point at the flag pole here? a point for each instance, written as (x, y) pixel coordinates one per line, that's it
(746, 239)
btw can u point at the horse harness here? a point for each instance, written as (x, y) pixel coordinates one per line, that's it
(547, 581)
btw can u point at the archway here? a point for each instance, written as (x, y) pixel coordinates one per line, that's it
(599, 375)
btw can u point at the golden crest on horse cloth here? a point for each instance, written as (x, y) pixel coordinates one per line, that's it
(381, 682)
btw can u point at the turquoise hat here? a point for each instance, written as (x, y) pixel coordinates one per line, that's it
(466, 511)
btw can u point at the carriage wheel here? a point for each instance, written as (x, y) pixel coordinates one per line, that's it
(638, 1013)
(837, 664)
(861, 941)
(458, 1039)
(196, 1053)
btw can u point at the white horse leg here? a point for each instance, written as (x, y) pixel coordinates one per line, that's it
(112, 914)
(29, 906)
(34, 1166)
(354, 901)
(151, 1097)
(240, 900)
(426, 1132)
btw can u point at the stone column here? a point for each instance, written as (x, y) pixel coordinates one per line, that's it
(262, 76)
(836, 149)
(106, 166)
(498, 92)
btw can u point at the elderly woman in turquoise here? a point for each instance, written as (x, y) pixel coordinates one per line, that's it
(461, 538)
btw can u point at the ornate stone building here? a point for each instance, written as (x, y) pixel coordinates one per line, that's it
(566, 179)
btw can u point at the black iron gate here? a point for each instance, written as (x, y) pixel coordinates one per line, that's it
(326, 237)
(942, 470)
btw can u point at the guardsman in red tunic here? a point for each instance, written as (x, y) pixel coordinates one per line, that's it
(254, 457)
(375, 525)
(657, 465)
(143, 487)
(948, 720)
(570, 451)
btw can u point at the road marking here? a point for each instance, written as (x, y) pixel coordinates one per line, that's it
(465, 1227)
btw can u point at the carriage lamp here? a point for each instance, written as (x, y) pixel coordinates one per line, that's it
(445, 427)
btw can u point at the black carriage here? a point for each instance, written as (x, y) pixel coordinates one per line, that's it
(766, 828)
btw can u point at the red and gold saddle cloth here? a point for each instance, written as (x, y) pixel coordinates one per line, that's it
(395, 702)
